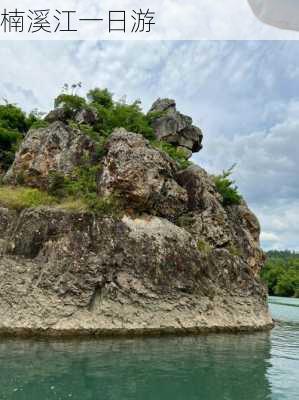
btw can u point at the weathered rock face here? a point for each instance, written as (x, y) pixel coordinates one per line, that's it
(57, 148)
(177, 260)
(67, 274)
(142, 175)
(174, 127)
(233, 228)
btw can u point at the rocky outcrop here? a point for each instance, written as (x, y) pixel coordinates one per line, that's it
(175, 128)
(232, 228)
(57, 148)
(173, 260)
(58, 114)
(85, 116)
(143, 176)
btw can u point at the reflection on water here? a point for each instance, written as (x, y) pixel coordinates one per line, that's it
(212, 367)
(226, 367)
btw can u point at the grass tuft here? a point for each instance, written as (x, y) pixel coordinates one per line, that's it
(204, 247)
(73, 205)
(19, 198)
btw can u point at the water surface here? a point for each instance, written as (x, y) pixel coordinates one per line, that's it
(255, 366)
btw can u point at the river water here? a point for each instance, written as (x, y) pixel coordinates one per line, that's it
(255, 366)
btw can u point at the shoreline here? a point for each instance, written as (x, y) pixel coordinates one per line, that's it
(133, 333)
(85, 324)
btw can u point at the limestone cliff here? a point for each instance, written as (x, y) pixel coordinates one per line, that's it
(175, 259)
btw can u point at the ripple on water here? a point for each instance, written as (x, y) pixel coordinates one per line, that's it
(284, 371)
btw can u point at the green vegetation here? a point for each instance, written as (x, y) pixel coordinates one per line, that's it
(118, 114)
(70, 103)
(100, 97)
(9, 140)
(82, 183)
(110, 114)
(79, 191)
(19, 198)
(12, 128)
(39, 124)
(179, 155)
(14, 124)
(225, 186)
(13, 117)
(234, 250)
(72, 205)
(204, 247)
(113, 114)
(281, 273)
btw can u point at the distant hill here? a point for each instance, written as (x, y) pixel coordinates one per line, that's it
(281, 273)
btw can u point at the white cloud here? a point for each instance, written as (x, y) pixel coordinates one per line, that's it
(267, 160)
(280, 225)
(269, 237)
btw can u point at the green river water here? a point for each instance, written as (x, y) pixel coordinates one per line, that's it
(255, 366)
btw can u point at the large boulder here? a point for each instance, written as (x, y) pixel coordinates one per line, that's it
(142, 175)
(58, 114)
(57, 148)
(175, 128)
(200, 187)
(86, 116)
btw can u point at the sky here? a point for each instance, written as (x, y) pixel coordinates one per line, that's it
(244, 95)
